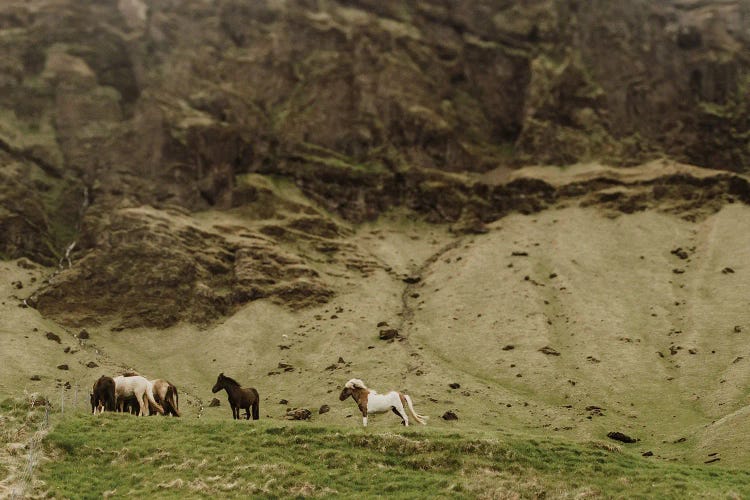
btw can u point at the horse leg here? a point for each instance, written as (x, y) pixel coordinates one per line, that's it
(247, 412)
(399, 409)
(235, 412)
(142, 404)
(394, 410)
(364, 418)
(256, 409)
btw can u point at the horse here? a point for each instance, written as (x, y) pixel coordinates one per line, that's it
(103, 395)
(369, 401)
(239, 397)
(139, 387)
(166, 394)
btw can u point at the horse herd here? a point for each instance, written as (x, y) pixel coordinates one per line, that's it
(133, 393)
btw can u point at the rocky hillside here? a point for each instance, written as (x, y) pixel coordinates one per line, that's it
(125, 124)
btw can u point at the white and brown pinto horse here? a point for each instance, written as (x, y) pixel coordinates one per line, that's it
(370, 401)
(137, 386)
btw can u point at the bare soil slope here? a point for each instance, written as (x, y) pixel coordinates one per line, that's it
(572, 320)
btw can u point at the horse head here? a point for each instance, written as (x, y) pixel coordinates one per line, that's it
(345, 394)
(219, 385)
(351, 386)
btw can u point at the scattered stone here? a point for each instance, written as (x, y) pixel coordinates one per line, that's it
(388, 334)
(283, 402)
(673, 349)
(727, 270)
(415, 295)
(286, 367)
(412, 279)
(214, 402)
(619, 436)
(91, 364)
(53, 337)
(67, 385)
(595, 410)
(712, 460)
(449, 415)
(341, 360)
(679, 252)
(36, 378)
(298, 414)
(63, 367)
(324, 409)
(332, 367)
(681, 440)
(592, 359)
(519, 254)
(454, 385)
(693, 351)
(382, 324)
(648, 454)
(66, 350)
(678, 270)
(17, 285)
(549, 351)
(465, 393)
(83, 334)
(553, 276)
(509, 347)
(737, 329)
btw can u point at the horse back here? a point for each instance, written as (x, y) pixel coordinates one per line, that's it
(249, 395)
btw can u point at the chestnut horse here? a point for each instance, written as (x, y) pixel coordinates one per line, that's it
(239, 397)
(370, 401)
(165, 393)
(103, 395)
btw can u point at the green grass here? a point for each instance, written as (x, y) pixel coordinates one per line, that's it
(178, 457)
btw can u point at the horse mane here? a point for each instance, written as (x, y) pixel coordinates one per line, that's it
(355, 383)
(231, 380)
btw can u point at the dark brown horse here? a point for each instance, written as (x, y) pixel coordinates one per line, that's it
(103, 395)
(239, 397)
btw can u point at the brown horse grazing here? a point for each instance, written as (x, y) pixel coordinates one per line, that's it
(165, 393)
(103, 395)
(239, 397)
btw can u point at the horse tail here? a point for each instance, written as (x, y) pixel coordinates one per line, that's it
(256, 406)
(176, 401)
(150, 396)
(169, 399)
(419, 418)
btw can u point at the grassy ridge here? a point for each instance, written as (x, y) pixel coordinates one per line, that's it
(169, 457)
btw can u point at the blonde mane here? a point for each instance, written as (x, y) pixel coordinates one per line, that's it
(355, 383)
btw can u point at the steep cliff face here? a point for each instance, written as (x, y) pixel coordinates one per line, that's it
(365, 105)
